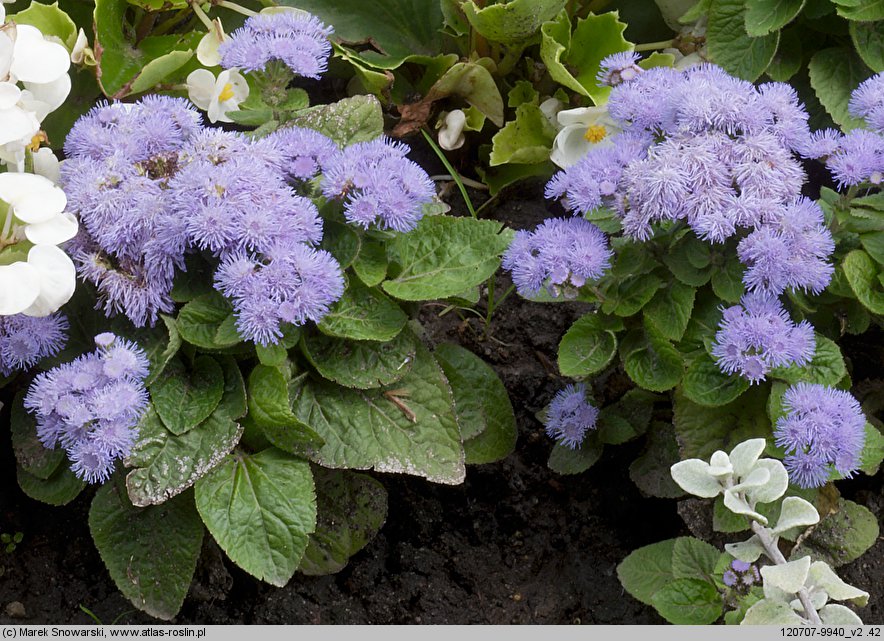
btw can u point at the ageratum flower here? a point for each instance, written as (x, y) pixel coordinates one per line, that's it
(24, 340)
(297, 38)
(757, 335)
(570, 416)
(561, 254)
(867, 102)
(378, 184)
(823, 428)
(91, 406)
(618, 68)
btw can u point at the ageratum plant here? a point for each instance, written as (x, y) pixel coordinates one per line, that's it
(241, 341)
(714, 283)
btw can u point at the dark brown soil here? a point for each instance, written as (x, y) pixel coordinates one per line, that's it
(516, 543)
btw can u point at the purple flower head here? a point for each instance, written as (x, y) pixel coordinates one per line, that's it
(867, 101)
(859, 158)
(24, 340)
(561, 254)
(788, 118)
(648, 102)
(297, 38)
(822, 144)
(91, 406)
(757, 335)
(570, 416)
(619, 68)
(297, 152)
(789, 250)
(823, 427)
(379, 185)
(740, 576)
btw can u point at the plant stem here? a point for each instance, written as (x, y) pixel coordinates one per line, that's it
(652, 46)
(235, 7)
(469, 182)
(454, 175)
(198, 10)
(167, 25)
(772, 551)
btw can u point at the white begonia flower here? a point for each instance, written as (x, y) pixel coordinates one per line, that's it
(33, 199)
(36, 59)
(7, 46)
(207, 50)
(46, 164)
(51, 94)
(451, 134)
(81, 51)
(550, 109)
(582, 129)
(217, 96)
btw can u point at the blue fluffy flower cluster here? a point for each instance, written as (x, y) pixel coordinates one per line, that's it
(570, 416)
(91, 406)
(856, 157)
(24, 340)
(561, 254)
(757, 335)
(723, 157)
(149, 184)
(296, 38)
(823, 428)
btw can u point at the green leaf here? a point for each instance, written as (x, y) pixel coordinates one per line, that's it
(868, 38)
(371, 263)
(694, 559)
(481, 404)
(727, 281)
(398, 30)
(269, 403)
(564, 460)
(513, 22)
(650, 360)
(873, 450)
(525, 140)
(272, 355)
(348, 121)
(365, 314)
(764, 16)
(50, 20)
(351, 509)
(834, 73)
(184, 399)
(166, 464)
(688, 602)
(841, 537)
(647, 569)
(361, 364)
(340, 241)
(208, 322)
(475, 84)
(626, 419)
(30, 454)
(873, 243)
(702, 430)
(587, 347)
(788, 58)
(150, 553)
(594, 38)
(124, 69)
(864, 10)
(862, 275)
(704, 383)
(59, 488)
(444, 256)
(260, 508)
(651, 470)
(731, 47)
(682, 261)
(410, 428)
(670, 309)
(827, 366)
(161, 347)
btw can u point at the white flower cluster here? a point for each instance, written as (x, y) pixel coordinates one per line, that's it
(36, 277)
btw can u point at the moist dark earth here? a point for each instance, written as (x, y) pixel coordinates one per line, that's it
(516, 543)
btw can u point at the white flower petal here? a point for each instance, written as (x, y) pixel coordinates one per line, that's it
(451, 134)
(54, 231)
(33, 198)
(200, 85)
(207, 49)
(19, 287)
(550, 109)
(17, 125)
(58, 278)
(9, 95)
(52, 93)
(580, 116)
(569, 146)
(35, 59)
(78, 53)
(46, 164)
(7, 47)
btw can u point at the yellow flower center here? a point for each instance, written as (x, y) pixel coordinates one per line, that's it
(595, 133)
(37, 140)
(226, 93)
